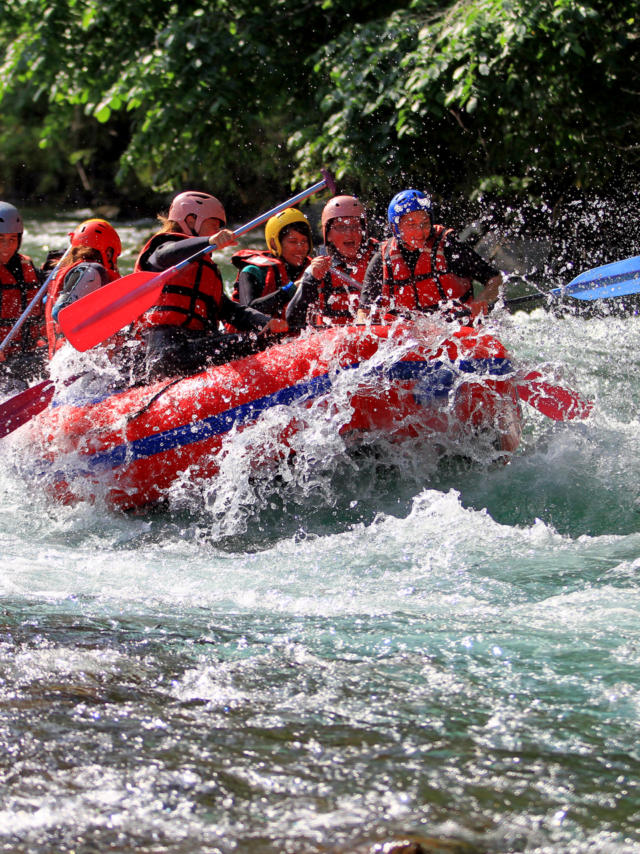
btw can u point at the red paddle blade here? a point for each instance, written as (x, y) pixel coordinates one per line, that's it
(22, 407)
(554, 401)
(100, 314)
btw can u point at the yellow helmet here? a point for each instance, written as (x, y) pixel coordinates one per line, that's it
(277, 223)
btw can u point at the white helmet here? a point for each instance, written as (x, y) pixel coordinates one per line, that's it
(10, 219)
(201, 205)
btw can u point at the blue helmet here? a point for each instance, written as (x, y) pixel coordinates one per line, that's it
(404, 202)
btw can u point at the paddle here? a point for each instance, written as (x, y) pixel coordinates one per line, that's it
(617, 279)
(347, 279)
(17, 326)
(554, 401)
(22, 407)
(99, 315)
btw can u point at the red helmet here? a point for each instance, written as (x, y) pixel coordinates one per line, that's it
(201, 205)
(98, 234)
(341, 206)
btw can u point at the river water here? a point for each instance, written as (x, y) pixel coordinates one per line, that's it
(334, 656)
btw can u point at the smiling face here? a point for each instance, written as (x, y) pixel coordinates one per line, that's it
(9, 244)
(295, 247)
(345, 234)
(414, 229)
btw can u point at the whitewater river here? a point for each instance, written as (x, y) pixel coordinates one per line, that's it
(344, 652)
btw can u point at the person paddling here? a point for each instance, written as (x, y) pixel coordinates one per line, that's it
(324, 295)
(24, 358)
(423, 267)
(181, 332)
(267, 277)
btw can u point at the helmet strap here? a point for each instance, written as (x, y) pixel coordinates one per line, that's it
(190, 221)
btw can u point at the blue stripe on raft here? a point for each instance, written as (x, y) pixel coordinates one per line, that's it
(440, 379)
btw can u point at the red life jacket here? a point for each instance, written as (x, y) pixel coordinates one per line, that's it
(55, 336)
(192, 297)
(337, 299)
(431, 282)
(16, 292)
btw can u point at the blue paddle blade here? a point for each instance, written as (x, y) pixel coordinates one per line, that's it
(620, 278)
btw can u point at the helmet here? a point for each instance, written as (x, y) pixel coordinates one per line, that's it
(274, 226)
(341, 206)
(201, 205)
(406, 202)
(98, 234)
(10, 219)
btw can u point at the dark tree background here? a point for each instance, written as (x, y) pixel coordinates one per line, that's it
(519, 114)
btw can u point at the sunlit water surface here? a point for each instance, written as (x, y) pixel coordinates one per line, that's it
(331, 654)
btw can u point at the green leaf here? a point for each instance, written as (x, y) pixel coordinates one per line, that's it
(103, 114)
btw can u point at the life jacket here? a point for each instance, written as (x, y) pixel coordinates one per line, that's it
(191, 299)
(55, 336)
(274, 268)
(431, 282)
(276, 272)
(337, 299)
(18, 286)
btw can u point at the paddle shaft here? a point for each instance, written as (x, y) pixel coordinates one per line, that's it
(516, 301)
(322, 253)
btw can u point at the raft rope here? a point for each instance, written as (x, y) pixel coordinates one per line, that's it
(153, 399)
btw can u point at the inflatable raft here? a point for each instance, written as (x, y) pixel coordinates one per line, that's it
(446, 383)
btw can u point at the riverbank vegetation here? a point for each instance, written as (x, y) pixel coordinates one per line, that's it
(508, 100)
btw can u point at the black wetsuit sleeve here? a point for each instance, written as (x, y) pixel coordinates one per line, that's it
(243, 317)
(272, 304)
(372, 283)
(305, 295)
(172, 252)
(250, 287)
(465, 261)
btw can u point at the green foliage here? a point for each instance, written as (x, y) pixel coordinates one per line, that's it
(487, 94)
(195, 94)
(467, 97)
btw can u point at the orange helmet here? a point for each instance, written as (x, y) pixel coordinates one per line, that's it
(201, 205)
(341, 206)
(98, 234)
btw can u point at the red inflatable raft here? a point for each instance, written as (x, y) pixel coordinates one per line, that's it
(403, 380)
